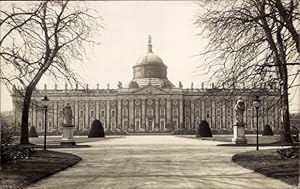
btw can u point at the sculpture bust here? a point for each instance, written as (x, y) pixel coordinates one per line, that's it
(67, 115)
(239, 109)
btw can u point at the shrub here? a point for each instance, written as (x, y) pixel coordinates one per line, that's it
(204, 130)
(96, 129)
(267, 131)
(289, 152)
(32, 132)
(9, 149)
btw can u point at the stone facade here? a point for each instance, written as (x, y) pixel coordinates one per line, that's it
(154, 104)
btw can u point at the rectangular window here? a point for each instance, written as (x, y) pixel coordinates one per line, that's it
(113, 113)
(228, 112)
(102, 113)
(92, 113)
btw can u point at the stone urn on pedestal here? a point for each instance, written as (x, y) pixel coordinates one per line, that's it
(68, 127)
(239, 127)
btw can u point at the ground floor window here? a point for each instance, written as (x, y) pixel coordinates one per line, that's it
(162, 124)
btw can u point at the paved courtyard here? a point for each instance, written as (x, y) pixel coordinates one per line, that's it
(157, 162)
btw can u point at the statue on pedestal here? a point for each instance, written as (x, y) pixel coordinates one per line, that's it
(67, 115)
(239, 109)
(68, 127)
(239, 128)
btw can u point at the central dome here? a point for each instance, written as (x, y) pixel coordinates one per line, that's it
(150, 69)
(149, 58)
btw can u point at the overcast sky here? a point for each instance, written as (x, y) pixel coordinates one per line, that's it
(124, 39)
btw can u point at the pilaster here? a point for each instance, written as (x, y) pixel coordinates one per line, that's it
(131, 113)
(108, 125)
(192, 125)
(156, 113)
(169, 118)
(97, 110)
(119, 113)
(76, 114)
(180, 113)
(55, 112)
(86, 115)
(143, 115)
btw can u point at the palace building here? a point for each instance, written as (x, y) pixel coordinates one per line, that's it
(151, 103)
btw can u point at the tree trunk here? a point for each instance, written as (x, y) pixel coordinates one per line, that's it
(286, 131)
(25, 114)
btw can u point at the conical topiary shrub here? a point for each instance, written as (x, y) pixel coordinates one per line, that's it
(96, 129)
(267, 131)
(32, 132)
(204, 130)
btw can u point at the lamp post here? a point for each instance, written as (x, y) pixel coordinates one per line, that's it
(256, 104)
(45, 103)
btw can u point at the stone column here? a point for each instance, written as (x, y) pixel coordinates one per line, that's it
(119, 113)
(76, 112)
(131, 113)
(34, 116)
(97, 110)
(180, 125)
(213, 114)
(55, 111)
(203, 110)
(143, 115)
(233, 112)
(224, 116)
(192, 125)
(108, 125)
(169, 118)
(156, 122)
(87, 120)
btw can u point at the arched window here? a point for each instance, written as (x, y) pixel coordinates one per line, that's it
(207, 113)
(162, 112)
(175, 112)
(175, 123)
(50, 125)
(102, 113)
(150, 112)
(92, 113)
(187, 124)
(137, 112)
(40, 126)
(125, 112)
(187, 112)
(113, 113)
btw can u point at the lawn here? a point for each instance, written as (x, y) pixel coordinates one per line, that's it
(271, 164)
(39, 165)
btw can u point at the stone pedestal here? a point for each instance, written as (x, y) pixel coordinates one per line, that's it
(68, 135)
(239, 134)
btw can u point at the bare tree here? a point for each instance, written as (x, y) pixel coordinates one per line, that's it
(252, 41)
(43, 38)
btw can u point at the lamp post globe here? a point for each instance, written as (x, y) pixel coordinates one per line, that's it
(45, 103)
(257, 104)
